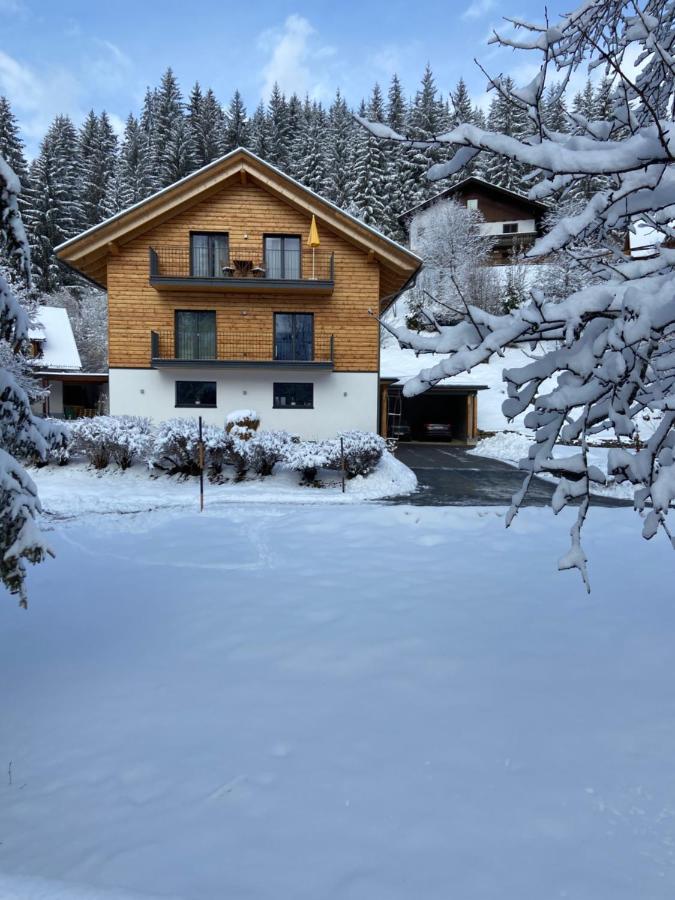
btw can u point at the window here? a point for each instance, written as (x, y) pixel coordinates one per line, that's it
(196, 393)
(294, 337)
(510, 228)
(472, 204)
(195, 334)
(282, 256)
(293, 395)
(208, 254)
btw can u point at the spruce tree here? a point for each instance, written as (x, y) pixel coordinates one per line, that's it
(236, 124)
(278, 151)
(368, 198)
(132, 181)
(53, 213)
(312, 149)
(260, 136)
(207, 125)
(554, 113)
(340, 152)
(172, 145)
(396, 106)
(462, 111)
(11, 145)
(507, 117)
(97, 148)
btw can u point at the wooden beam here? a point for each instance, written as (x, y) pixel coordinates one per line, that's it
(113, 248)
(243, 176)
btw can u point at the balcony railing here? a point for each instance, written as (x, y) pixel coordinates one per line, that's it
(248, 268)
(225, 348)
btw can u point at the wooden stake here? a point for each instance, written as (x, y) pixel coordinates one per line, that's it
(201, 467)
(342, 462)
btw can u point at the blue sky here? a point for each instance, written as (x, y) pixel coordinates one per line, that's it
(72, 56)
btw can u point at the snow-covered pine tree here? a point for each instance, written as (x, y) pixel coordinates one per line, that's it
(53, 211)
(259, 132)
(172, 142)
(507, 116)
(207, 125)
(606, 354)
(554, 109)
(340, 152)
(310, 161)
(278, 129)
(426, 121)
(396, 105)
(236, 124)
(369, 180)
(132, 181)
(11, 145)
(22, 435)
(97, 149)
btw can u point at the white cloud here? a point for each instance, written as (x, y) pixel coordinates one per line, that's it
(478, 8)
(297, 61)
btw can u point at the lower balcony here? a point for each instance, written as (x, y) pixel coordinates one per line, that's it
(225, 348)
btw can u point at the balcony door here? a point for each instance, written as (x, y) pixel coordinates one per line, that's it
(208, 254)
(282, 256)
(195, 334)
(294, 337)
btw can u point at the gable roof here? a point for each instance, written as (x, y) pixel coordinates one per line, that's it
(473, 182)
(87, 253)
(53, 329)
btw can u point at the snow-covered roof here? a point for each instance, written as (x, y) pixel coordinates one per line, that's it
(643, 240)
(59, 350)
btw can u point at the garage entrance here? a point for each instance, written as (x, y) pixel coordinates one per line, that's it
(442, 414)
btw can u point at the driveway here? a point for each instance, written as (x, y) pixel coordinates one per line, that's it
(449, 476)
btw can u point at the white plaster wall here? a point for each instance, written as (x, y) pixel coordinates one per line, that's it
(525, 226)
(342, 400)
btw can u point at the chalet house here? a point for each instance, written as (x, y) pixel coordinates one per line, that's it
(238, 287)
(55, 361)
(511, 218)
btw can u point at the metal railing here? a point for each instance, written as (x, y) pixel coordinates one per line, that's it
(243, 262)
(226, 346)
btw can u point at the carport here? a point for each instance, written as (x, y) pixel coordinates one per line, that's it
(409, 418)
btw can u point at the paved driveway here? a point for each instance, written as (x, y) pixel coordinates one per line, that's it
(449, 476)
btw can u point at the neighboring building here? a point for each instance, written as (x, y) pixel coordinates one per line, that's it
(216, 302)
(56, 362)
(643, 241)
(511, 218)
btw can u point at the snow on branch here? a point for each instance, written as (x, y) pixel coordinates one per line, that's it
(606, 353)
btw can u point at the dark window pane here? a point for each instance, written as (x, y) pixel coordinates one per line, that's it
(510, 228)
(282, 256)
(195, 393)
(294, 336)
(293, 395)
(195, 334)
(208, 255)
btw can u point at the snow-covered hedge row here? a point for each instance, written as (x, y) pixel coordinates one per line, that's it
(173, 447)
(104, 439)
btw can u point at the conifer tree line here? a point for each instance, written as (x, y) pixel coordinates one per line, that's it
(83, 175)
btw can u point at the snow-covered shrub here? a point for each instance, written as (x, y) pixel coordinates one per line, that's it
(94, 439)
(131, 439)
(362, 451)
(176, 447)
(217, 449)
(267, 448)
(242, 423)
(308, 457)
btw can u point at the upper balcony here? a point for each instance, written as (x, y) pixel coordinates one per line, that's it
(246, 269)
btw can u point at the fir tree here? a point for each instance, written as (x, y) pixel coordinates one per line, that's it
(236, 124)
(312, 162)
(53, 212)
(278, 152)
(506, 117)
(207, 125)
(173, 146)
(340, 152)
(369, 195)
(260, 136)
(97, 147)
(132, 181)
(461, 105)
(396, 106)
(11, 145)
(554, 111)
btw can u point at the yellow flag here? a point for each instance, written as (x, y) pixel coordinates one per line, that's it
(313, 239)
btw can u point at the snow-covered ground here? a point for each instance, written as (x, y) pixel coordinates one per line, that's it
(77, 489)
(360, 702)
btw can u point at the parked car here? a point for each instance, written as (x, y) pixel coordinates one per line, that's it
(437, 431)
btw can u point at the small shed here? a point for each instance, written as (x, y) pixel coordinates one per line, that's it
(445, 412)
